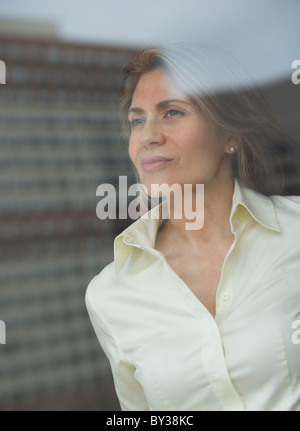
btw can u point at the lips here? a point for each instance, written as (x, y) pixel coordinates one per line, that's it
(154, 162)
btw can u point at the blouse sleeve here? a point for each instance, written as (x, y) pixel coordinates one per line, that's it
(129, 391)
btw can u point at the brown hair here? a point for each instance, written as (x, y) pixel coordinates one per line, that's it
(267, 160)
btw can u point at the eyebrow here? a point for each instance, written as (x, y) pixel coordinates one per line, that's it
(161, 105)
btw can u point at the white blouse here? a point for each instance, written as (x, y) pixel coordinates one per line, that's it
(167, 352)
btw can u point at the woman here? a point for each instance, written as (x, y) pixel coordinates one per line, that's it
(202, 319)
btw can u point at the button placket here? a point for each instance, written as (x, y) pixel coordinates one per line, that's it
(216, 368)
(225, 296)
(224, 291)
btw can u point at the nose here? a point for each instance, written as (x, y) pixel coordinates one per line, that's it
(151, 134)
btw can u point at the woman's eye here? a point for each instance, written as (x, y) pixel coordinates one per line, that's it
(136, 122)
(173, 112)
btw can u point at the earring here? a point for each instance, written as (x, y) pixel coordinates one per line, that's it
(232, 149)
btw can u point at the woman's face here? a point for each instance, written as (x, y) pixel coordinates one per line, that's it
(170, 141)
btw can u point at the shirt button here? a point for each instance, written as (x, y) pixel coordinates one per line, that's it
(128, 237)
(225, 296)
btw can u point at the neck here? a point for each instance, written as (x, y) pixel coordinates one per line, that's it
(216, 225)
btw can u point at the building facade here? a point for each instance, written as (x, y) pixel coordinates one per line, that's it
(59, 140)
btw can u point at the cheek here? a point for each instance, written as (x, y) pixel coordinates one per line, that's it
(192, 141)
(132, 151)
(200, 141)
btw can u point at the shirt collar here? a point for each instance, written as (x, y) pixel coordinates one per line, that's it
(142, 233)
(259, 206)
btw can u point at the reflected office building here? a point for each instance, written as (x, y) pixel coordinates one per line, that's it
(60, 139)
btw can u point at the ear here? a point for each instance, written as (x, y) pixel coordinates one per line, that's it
(230, 146)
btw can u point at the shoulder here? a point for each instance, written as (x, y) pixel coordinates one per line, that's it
(99, 288)
(287, 207)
